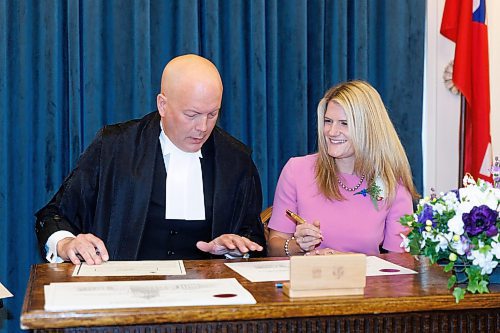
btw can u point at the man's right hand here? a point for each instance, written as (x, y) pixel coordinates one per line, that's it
(84, 247)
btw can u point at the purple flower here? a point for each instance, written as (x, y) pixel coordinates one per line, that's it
(426, 214)
(481, 219)
(469, 245)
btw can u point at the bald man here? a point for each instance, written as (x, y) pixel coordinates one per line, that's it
(171, 185)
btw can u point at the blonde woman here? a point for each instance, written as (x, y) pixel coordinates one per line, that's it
(354, 190)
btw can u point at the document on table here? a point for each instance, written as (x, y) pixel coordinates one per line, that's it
(132, 268)
(261, 271)
(70, 296)
(376, 266)
(4, 293)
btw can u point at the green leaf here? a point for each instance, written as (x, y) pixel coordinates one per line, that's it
(374, 190)
(414, 247)
(485, 249)
(483, 287)
(451, 281)
(459, 294)
(449, 267)
(473, 285)
(406, 218)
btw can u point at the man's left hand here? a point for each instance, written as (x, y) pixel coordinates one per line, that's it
(231, 244)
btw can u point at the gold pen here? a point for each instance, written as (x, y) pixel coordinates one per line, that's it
(295, 217)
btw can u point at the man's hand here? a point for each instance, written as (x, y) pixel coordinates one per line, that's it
(84, 247)
(231, 244)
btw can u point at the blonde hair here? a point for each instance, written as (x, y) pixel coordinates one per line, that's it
(377, 149)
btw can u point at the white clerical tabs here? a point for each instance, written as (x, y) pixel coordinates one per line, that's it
(332, 275)
(4, 293)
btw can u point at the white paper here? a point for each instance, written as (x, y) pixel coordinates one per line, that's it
(261, 271)
(70, 296)
(132, 268)
(376, 266)
(4, 293)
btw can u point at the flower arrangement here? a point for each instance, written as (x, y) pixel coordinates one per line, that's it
(461, 228)
(375, 191)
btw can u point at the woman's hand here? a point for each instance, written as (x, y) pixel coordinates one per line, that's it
(322, 252)
(308, 236)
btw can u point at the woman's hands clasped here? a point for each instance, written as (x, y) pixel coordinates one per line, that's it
(308, 236)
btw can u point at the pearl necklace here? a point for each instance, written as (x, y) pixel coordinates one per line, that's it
(351, 189)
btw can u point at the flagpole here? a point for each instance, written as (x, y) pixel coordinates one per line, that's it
(461, 139)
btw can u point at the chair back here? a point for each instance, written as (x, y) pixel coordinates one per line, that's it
(265, 216)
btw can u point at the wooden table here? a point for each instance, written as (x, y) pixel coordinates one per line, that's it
(397, 303)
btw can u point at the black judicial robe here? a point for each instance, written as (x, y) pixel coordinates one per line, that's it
(108, 192)
(170, 239)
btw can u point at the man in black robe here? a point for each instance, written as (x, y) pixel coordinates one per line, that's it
(171, 185)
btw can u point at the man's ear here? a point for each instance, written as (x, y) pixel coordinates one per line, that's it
(161, 102)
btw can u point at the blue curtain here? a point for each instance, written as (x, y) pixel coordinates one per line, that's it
(69, 67)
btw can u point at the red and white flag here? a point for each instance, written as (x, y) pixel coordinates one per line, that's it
(464, 23)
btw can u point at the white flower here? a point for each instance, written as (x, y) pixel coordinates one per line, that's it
(464, 207)
(443, 241)
(468, 180)
(451, 200)
(488, 269)
(459, 246)
(484, 261)
(456, 224)
(495, 249)
(424, 200)
(405, 243)
(439, 208)
(476, 196)
(427, 235)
